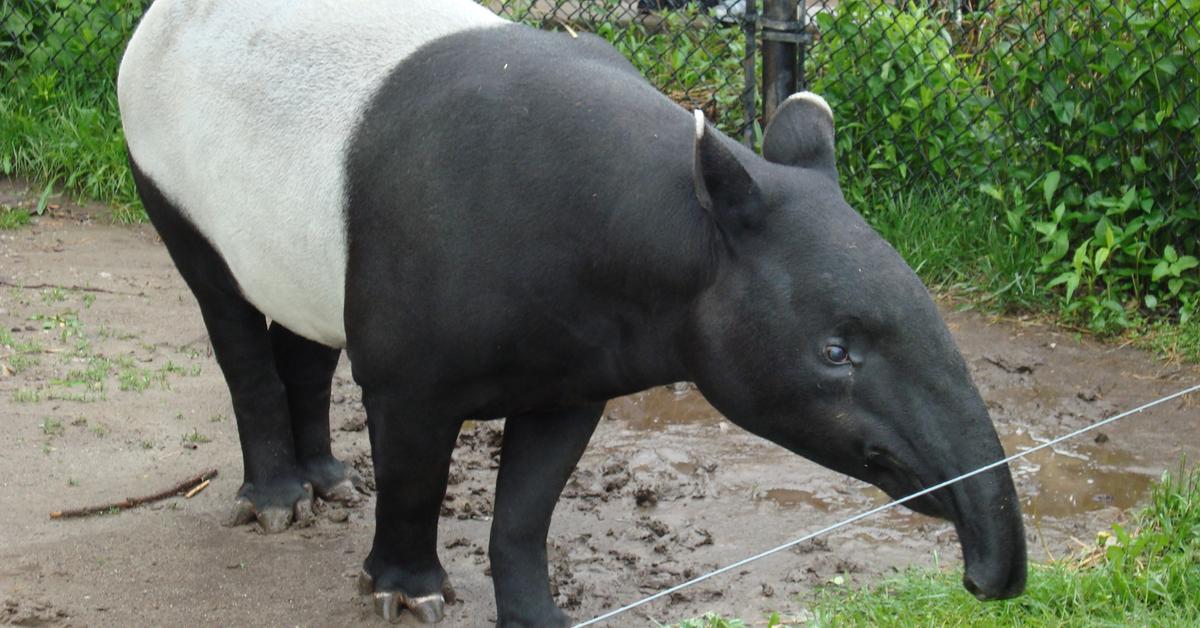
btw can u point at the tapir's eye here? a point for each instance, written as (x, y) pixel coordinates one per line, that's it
(837, 354)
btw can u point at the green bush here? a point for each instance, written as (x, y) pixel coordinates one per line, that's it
(1077, 121)
(58, 110)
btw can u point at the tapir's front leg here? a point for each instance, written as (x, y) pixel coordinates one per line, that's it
(410, 446)
(540, 450)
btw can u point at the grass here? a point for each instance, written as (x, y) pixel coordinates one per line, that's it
(69, 136)
(196, 437)
(1146, 573)
(13, 218)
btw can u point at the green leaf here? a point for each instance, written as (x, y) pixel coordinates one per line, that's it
(1170, 254)
(1049, 185)
(1175, 285)
(1101, 257)
(992, 191)
(1187, 262)
(1079, 161)
(1058, 248)
(1151, 301)
(1160, 270)
(44, 199)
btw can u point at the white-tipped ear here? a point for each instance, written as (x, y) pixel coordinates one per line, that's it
(812, 98)
(697, 163)
(723, 186)
(801, 134)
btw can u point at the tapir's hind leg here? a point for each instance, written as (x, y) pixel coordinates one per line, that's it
(275, 490)
(306, 368)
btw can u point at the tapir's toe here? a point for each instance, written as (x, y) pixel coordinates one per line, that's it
(273, 517)
(389, 605)
(334, 480)
(347, 492)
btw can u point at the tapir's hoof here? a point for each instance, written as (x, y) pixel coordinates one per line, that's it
(428, 609)
(272, 518)
(348, 492)
(335, 481)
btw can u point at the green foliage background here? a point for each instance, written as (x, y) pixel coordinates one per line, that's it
(1075, 121)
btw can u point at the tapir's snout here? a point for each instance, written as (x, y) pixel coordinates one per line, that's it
(984, 510)
(988, 520)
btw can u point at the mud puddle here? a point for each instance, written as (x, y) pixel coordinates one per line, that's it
(109, 389)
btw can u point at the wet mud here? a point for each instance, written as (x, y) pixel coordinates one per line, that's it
(110, 390)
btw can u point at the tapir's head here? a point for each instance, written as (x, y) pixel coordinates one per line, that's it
(816, 335)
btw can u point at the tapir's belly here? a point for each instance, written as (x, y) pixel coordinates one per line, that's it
(241, 112)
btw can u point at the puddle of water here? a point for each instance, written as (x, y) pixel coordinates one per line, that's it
(661, 406)
(1059, 482)
(792, 498)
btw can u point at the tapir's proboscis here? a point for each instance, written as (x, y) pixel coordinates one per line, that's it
(496, 221)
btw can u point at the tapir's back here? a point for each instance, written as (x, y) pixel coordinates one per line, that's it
(240, 112)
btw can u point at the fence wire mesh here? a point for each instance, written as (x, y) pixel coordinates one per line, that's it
(945, 90)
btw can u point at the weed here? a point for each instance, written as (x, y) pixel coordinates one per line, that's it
(88, 300)
(27, 395)
(20, 363)
(146, 444)
(170, 368)
(196, 437)
(29, 347)
(72, 482)
(54, 295)
(139, 379)
(217, 418)
(13, 218)
(92, 378)
(52, 427)
(77, 397)
(99, 430)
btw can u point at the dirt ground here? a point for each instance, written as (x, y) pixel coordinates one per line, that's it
(109, 389)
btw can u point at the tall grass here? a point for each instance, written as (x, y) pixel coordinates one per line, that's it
(70, 138)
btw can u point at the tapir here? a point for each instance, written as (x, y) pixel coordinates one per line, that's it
(496, 221)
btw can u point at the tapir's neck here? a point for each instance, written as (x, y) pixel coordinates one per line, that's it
(658, 258)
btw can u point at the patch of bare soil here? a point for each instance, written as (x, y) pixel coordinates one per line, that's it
(108, 389)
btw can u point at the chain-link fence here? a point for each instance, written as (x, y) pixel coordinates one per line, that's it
(951, 90)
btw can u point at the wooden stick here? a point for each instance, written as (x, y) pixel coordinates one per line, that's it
(199, 487)
(133, 502)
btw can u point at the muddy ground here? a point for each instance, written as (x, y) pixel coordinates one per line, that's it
(109, 389)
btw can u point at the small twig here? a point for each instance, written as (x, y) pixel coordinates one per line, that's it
(42, 286)
(133, 502)
(199, 487)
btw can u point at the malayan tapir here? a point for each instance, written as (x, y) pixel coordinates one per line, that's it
(495, 221)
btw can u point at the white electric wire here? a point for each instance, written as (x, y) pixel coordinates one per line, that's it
(864, 515)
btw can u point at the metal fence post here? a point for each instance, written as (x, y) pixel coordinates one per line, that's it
(749, 66)
(784, 36)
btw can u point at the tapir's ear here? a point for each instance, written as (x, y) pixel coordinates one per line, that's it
(725, 188)
(801, 134)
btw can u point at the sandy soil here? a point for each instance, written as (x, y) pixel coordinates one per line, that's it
(110, 390)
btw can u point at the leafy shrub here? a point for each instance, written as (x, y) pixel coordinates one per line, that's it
(1076, 120)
